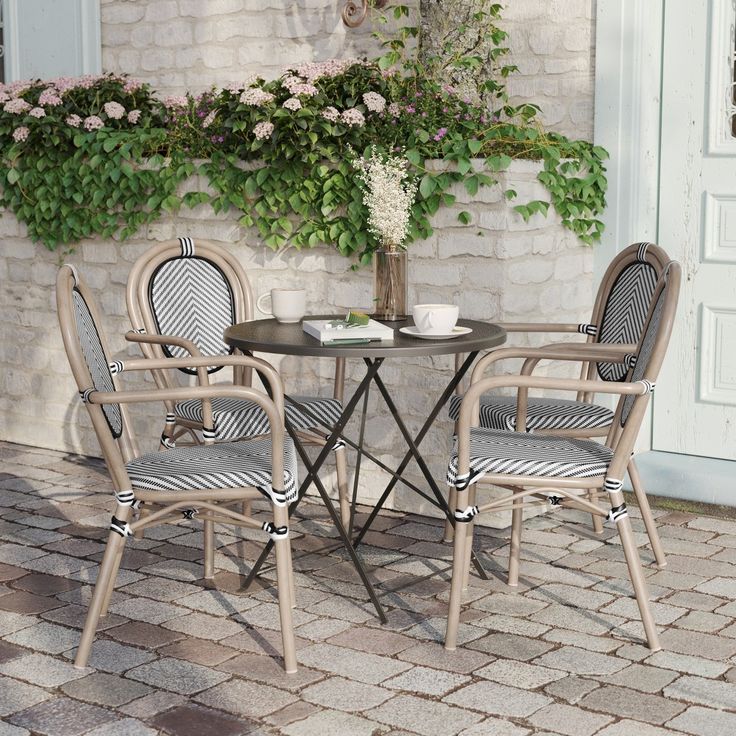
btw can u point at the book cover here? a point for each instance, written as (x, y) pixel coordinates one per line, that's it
(322, 331)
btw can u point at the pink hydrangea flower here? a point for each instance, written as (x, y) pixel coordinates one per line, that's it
(175, 101)
(134, 116)
(353, 116)
(255, 96)
(131, 85)
(20, 134)
(74, 120)
(4, 96)
(49, 97)
(263, 130)
(293, 103)
(374, 102)
(331, 68)
(394, 110)
(37, 112)
(331, 114)
(93, 123)
(114, 110)
(16, 106)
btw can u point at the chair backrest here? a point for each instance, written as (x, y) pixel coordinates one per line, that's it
(189, 290)
(623, 302)
(89, 359)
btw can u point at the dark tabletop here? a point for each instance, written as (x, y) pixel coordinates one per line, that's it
(268, 336)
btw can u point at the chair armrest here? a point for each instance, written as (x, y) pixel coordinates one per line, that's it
(473, 394)
(188, 345)
(266, 370)
(578, 352)
(274, 409)
(538, 327)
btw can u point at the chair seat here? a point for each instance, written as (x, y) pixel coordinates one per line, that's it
(225, 465)
(519, 453)
(235, 418)
(499, 412)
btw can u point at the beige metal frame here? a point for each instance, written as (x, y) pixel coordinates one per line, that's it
(586, 353)
(151, 342)
(165, 506)
(573, 491)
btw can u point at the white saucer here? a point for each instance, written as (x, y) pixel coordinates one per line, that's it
(414, 332)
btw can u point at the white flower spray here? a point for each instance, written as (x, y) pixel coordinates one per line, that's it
(388, 193)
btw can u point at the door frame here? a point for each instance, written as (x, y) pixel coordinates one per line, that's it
(628, 93)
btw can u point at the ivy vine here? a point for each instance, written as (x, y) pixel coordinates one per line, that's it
(104, 156)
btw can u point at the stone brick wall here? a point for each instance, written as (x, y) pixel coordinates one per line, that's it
(193, 44)
(496, 268)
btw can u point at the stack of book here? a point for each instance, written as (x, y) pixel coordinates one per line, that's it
(338, 332)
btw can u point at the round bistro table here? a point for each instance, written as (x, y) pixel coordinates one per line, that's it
(270, 336)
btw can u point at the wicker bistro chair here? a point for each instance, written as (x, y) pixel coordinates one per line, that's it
(181, 297)
(558, 470)
(617, 323)
(203, 480)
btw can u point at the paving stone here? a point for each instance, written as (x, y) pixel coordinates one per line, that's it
(56, 564)
(7, 730)
(123, 727)
(519, 674)
(161, 589)
(177, 675)
(10, 651)
(512, 625)
(295, 712)
(627, 703)
(62, 717)
(571, 596)
(705, 722)
(152, 612)
(261, 641)
(76, 616)
(581, 662)
(702, 690)
(340, 694)
(568, 720)
(423, 716)
(22, 602)
(149, 705)
(692, 599)
(697, 644)
(509, 604)
(41, 669)
(10, 572)
(426, 681)
(376, 641)
(324, 628)
(46, 637)
(703, 621)
(461, 660)
(243, 698)
(571, 689)
(603, 643)
(142, 634)
(368, 668)
(628, 608)
(642, 677)
(110, 656)
(495, 727)
(270, 670)
(217, 602)
(634, 728)
(511, 646)
(722, 526)
(103, 689)
(15, 696)
(331, 723)
(10, 622)
(192, 720)
(493, 698)
(16, 554)
(200, 651)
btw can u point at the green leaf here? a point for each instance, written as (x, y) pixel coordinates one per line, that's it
(12, 176)
(475, 146)
(427, 185)
(464, 217)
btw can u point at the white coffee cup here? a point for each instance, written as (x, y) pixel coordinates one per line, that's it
(435, 319)
(287, 305)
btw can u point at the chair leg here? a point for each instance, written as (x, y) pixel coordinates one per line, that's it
(105, 579)
(638, 581)
(247, 508)
(452, 504)
(143, 511)
(341, 467)
(458, 573)
(597, 520)
(646, 514)
(111, 582)
(517, 516)
(468, 529)
(209, 548)
(285, 591)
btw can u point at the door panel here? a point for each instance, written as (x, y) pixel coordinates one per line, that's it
(695, 400)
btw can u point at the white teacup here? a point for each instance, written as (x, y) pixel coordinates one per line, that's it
(435, 319)
(287, 305)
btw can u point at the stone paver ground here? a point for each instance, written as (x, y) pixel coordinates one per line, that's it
(560, 655)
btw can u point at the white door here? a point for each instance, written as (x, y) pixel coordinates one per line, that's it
(695, 400)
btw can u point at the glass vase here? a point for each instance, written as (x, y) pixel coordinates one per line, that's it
(390, 285)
